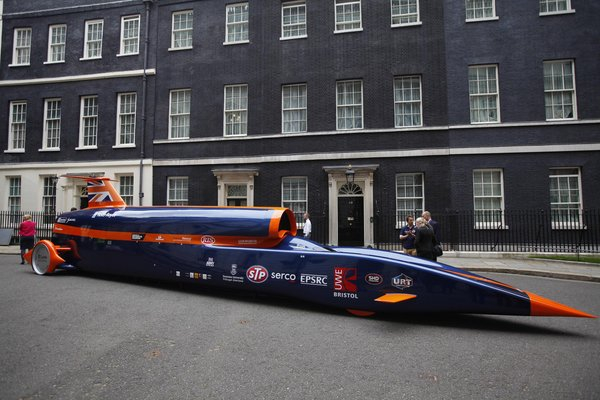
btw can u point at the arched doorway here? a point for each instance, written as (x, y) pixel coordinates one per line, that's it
(351, 228)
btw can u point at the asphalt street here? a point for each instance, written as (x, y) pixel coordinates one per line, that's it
(74, 336)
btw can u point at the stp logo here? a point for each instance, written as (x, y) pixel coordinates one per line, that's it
(257, 274)
(207, 240)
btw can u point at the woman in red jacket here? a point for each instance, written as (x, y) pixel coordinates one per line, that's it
(27, 234)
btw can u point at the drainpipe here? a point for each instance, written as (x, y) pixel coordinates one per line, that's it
(147, 3)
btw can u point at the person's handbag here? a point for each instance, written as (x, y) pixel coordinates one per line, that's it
(437, 250)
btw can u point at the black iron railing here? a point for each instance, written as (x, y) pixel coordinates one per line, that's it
(549, 231)
(523, 231)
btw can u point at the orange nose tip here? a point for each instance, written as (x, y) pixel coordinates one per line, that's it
(543, 307)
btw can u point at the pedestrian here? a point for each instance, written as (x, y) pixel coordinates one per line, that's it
(307, 225)
(434, 224)
(407, 236)
(26, 235)
(424, 239)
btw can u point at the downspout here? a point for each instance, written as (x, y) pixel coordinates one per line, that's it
(147, 3)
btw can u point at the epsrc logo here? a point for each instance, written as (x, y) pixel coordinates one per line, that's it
(257, 274)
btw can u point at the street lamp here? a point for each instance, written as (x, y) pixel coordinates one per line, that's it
(349, 174)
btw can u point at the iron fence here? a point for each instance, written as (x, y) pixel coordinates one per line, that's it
(522, 231)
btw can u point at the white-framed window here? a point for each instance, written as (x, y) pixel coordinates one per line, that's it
(17, 125)
(410, 196)
(182, 30)
(405, 12)
(349, 105)
(348, 16)
(566, 207)
(293, 108)
(92, 48)
(488, 198)
(550, 7)
(52, 124)
(88, 124)
(126, 107)
(179, 113)
(177, 191)
(484, 99)
(408, 108)
(236, 110)
(237, 23)
(126, 188)
(559, 90)
(57, 43)
(21, 47)
(294, 195)
(49, 197)
(14, 196)
(480, 10)
(130, 35)
(237, 194)
(293, 20)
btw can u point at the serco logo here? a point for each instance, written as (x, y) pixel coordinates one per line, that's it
(257, 274)
(207, 240)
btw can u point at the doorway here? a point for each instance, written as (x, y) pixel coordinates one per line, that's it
(351, 227)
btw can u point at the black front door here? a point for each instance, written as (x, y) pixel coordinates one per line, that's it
(351, 221)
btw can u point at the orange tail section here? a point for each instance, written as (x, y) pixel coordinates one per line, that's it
(541, 306)
(101, 193)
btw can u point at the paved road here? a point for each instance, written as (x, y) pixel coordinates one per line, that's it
(70, 336)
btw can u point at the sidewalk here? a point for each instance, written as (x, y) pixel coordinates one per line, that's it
(510, 263)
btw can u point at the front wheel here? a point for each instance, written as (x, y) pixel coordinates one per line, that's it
(44, 258)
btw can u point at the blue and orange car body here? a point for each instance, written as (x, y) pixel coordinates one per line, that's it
(257, 249)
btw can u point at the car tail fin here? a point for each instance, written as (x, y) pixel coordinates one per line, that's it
(101, 193)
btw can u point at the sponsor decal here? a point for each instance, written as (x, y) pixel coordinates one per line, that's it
(159, 238)
(283, 276)
(257, 274)
(313, 280)
(234, 279)
(402, 281)
(247, 241)
(137, 236)
(207, 240)
(374, 279)
(211, 263)
(177, 273)
(234, 269)
(344, 282)
(103, 213)
(345, 295)
(61, 220)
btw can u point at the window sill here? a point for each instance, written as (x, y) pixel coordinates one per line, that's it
(14, 151)
(124, 146)
(54, 62)
(90, 58)
(87, 148)
(468, 21)
(347, 31)
(49, 149)
(561, 119)
(19, 65)
(128, 54)
(486, 123)
(293, 38)
(179, 139)
(552, 13)
(418, 23)
(234, 43)
(180, 48)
